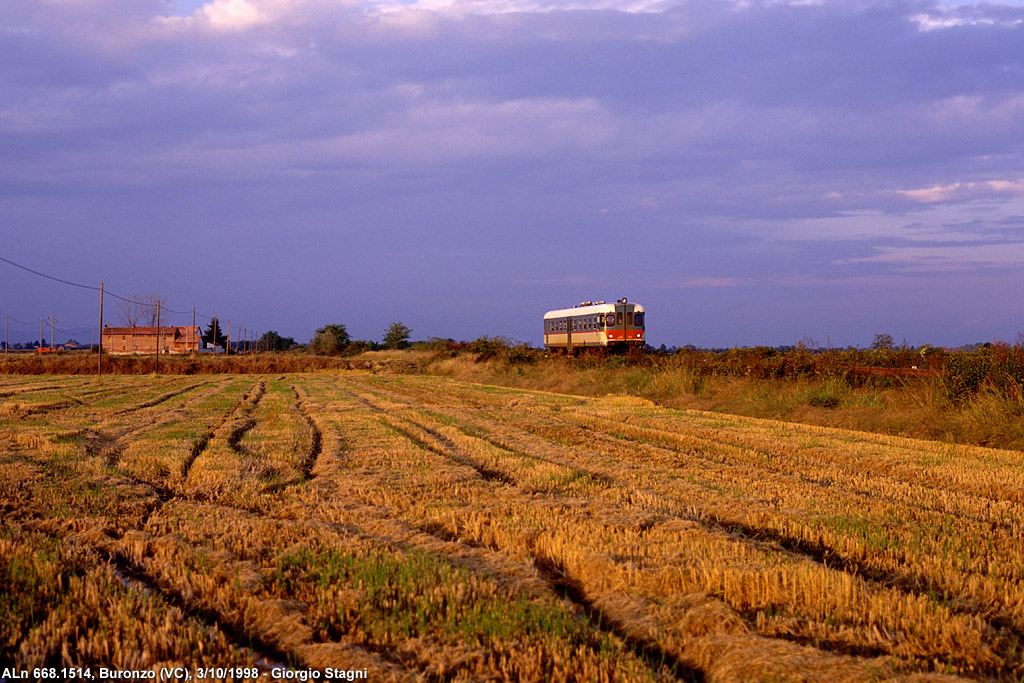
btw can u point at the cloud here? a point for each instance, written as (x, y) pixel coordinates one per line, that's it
(788, 142)
(966, 191)
(947, 259)
(940, 17)
(704, 282)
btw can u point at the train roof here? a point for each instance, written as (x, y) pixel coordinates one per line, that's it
(590, 309)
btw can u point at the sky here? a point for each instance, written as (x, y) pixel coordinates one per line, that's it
(754, 172)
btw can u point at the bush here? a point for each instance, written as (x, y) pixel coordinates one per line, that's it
(329, 340)
(964, 374)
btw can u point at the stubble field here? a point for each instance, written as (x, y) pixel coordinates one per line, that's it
(426, 529)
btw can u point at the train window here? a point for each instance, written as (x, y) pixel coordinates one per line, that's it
(629, 318)
(609, 319)
(618, 318)
(638, 319)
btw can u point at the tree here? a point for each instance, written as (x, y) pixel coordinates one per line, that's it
(397, 336)
(214, 336)
(139, 311)
(329, 340)
(272, 341)
(883, 341)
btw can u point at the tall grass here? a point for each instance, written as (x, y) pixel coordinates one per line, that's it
(984, 409)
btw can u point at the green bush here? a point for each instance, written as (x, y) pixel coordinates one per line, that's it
(964, 374)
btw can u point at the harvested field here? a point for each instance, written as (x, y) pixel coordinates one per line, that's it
(427, 529)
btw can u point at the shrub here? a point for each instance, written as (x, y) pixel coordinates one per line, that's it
(964, 374)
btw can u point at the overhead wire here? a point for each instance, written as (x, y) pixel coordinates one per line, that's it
(100, 289)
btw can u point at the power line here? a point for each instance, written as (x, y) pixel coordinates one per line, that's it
(97, 289)
(20, 322)
(50, 277)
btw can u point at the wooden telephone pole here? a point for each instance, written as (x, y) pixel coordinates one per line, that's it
(158, 336)
(99, 351)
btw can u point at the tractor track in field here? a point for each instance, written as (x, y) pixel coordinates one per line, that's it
(657, 657)
(551, 571)
(110, 444)
(21, 389)
(266, 655)
(911, 584)
(495, 454)
(161, 398)
(316, 438)
(768, 539)
(245, 405)
(444, 447)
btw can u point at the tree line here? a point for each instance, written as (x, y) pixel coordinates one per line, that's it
(329, 340)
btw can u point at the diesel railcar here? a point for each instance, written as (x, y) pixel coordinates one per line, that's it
(595, 325)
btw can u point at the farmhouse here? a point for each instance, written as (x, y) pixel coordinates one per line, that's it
(128, 340)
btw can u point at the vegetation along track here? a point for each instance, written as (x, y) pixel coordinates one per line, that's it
(425, 529)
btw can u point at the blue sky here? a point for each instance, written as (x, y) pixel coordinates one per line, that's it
(752, 172)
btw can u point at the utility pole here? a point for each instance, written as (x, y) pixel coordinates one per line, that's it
(99, 353)
(192, 333)
(158, 336)
(227, 347)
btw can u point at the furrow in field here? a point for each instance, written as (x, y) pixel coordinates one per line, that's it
(456, 531)
(20, 389)
(198, 580)
(663, 502)
(232, 418)
(85, 612)
(360, 500)
(649, 649)
(773, 526)
(491, 539)
(108, 438)
(162, 398)
(316, 432)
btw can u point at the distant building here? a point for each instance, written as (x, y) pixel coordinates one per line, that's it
(129, 340)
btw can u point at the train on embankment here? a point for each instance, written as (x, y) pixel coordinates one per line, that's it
(595, 325)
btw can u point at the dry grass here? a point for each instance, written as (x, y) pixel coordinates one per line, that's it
(914, 407)
(427, 528)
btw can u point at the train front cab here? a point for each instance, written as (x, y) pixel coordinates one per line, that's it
(627, 329)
